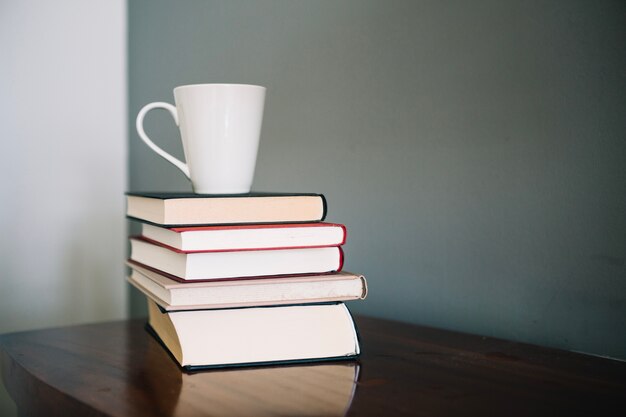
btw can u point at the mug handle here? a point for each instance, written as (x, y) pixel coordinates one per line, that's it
(142, 134)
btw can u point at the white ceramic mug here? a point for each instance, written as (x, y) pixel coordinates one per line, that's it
(220, 126)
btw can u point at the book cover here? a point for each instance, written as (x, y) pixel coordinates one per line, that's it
(256, 336)
(189, 209)
(172, 295)
(247, 237)
(238, 263)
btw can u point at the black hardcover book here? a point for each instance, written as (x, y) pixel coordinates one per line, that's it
(189, 209)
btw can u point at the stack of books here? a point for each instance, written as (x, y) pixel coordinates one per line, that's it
(250, 279)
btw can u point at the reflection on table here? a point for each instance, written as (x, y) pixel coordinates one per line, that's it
(295, 390)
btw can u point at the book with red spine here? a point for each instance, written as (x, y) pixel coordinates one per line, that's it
(211, 265)
(247, 237)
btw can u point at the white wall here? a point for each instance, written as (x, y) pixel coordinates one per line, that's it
(63, 165)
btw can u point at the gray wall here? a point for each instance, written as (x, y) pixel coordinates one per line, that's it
(475, 150)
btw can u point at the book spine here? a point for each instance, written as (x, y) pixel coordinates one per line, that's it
(196, 368)
(341, 257)
(317, 303)
(345, 233)
(324, 207)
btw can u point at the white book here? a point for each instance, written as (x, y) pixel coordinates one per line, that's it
(233, 264)
(257, 335)
(256, 236)
(174, 295)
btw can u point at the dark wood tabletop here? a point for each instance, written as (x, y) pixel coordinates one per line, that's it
(118, 369)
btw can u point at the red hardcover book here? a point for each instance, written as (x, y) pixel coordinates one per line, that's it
(247, 237)
(211, 265)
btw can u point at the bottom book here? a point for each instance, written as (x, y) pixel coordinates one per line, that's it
(201, 339)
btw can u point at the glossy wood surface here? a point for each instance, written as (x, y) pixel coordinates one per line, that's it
(118, 369)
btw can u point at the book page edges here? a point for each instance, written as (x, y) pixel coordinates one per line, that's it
(174, 308)
(355, 332)
(248, 210)
(163, 326)
(169, 283)
(150, 209)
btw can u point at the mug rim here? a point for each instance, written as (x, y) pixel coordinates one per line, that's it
(218, 85)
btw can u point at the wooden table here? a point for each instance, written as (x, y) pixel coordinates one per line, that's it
(118, 369)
